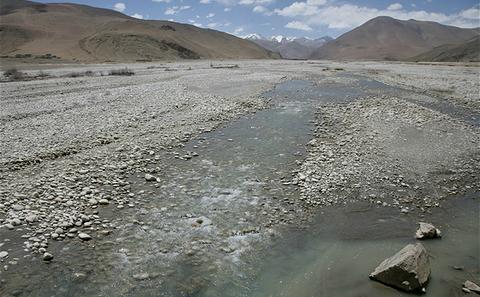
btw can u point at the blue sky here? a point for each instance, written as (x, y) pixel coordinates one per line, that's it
(310, 18)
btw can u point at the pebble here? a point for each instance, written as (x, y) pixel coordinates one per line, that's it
(84, 236)
(103, 202)
(141, 276)
(47, 257)
(149, 177)
(3, 254)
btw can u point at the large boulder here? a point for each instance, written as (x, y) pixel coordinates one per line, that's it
(408, 270)
(426, 231)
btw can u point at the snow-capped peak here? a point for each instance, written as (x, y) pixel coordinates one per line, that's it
(253, 36)
(277, 38)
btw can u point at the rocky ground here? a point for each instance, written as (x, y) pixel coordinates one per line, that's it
(451, 82)
(69, 144)
(390, 152)
(77, 153)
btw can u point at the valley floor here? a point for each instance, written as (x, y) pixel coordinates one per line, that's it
(182, 177)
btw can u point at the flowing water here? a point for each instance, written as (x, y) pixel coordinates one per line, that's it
(223, 222)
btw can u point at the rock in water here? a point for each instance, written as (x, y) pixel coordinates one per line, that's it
(149, 177)
(141, 276)
(84, 236)
(471, 286)
(407, 270)
(427, 231)
(3, 254)
(47, 257)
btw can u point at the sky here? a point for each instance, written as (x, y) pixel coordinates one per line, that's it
(292, 18)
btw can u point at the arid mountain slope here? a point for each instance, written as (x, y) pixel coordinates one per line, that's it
(386, 38)
(88, 34)
(465, 52)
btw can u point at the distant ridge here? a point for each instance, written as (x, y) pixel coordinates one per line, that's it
(82, 33)
(465, 52)
(289, 48)
(386, 38)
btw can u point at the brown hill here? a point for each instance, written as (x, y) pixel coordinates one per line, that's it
(386, 38)
(88, 34)
(465, 52)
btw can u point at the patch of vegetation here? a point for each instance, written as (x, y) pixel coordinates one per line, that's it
(20, 56)
(123, 72)
(167, 27)
(47, 56)
(224, 66)
(81, 73)
(75, 74)
(157, 67)
(14, 74)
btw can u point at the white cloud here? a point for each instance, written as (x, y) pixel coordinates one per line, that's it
(347, 16)
(395, 6)
(120, 6)
(238, 31)
(137, 16)
(260, 9)
(239, 2)
(298, 26)
(212, 25)
(298, 9)
(162, 1)
(210, 15)
(316, 2)
(227, 9)
(255, 2)
(227, 2)
(175, 9)
(170, 11)
(471, 13)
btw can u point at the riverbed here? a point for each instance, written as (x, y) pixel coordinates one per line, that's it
(226, 215)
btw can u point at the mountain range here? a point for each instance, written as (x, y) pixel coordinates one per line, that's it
(289, 47)
(83, 33)
(386, 38)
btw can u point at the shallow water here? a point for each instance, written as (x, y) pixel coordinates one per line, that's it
(335, 257)
(237, 187)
